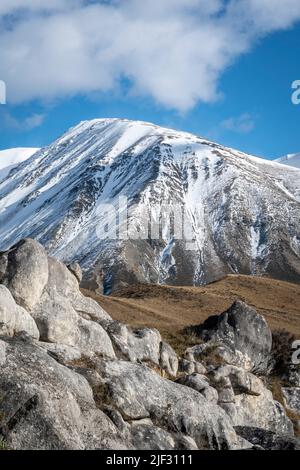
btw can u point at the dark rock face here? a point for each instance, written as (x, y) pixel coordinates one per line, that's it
(292, 399)
(242, 330)
(267, 440)
(73, 378)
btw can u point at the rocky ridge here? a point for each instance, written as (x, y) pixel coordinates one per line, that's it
(73, 378)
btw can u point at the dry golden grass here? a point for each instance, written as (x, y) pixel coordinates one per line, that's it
(171, 309)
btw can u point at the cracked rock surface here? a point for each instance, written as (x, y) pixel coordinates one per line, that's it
(73, 378)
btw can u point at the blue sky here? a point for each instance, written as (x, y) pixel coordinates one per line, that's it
(245, 104)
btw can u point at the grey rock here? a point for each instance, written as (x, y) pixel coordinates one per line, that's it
(291, 397)
(186, 367)
(76, 270)
(135, 345)
(25, 322)
(145, 436)
(45, 405)
(62, 353)
(292, 376)
(200, 368)
(168, 359)
(223, 385)
(140, 393)
(189, 367)
(56, 319)
(261, 412)
(13, 318)
(201, 384)
(7, 312)
(90, 309)
(196, 381)
(94, 339)
(211, 394)
(240, 380)
(3, 264)
(268, 440)
(185, 443)
(59, 322)
(214, 353)
(62, 386)
(2, 353)
(64, 283)
(26, 273)
(244, 332)
(247, 401)
(226, 395)
(95, 380)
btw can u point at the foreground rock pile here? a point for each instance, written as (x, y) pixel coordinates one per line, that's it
(73, 378)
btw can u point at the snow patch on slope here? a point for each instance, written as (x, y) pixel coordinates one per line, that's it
(292, 159)
(10, 158)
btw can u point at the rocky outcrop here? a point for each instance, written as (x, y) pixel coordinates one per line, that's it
(45, 405)
(240, 336)
(25, 273)
(292, 399)
(140, 393)
(76, 270)
(267, 440)
(73, 378)
(13, 317)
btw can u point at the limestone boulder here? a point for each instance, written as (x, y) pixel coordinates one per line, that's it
(13, 318)
(245, 335)
(56, 319)
(76, 270)
(25, 322)
(94, 339)
(201, 384)
(141, 345)
(140, 393)
(291, 397)
(7, 312)
(25, 272)
(168, 359)
(47, 406)
(267, 440)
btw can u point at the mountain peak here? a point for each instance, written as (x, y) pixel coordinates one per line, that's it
(240, 212)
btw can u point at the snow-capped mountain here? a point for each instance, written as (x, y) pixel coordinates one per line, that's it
(243, 212)
(10, 158)
(291, 160)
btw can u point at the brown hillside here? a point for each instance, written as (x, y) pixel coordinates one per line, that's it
(170, 309)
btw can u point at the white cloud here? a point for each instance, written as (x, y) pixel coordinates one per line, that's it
(243, 124)
(11, 6)
(171, 50)
(264, 16)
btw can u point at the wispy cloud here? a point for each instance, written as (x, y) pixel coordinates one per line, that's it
(243, 124)
(171, 50)
(28, 123)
